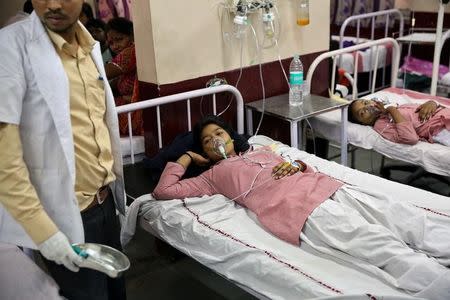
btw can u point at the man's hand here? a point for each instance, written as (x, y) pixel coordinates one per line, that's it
(426, 110)
(284, 169)
(57, 248)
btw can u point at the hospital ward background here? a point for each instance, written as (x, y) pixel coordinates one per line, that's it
(233, 58)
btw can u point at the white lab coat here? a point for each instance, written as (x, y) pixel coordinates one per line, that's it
(34, 94)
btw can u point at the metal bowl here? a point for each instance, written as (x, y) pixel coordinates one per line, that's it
(103, 258)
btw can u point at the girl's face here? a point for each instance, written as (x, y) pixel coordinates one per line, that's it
(211, 132)
(118, 41)
(365, 111)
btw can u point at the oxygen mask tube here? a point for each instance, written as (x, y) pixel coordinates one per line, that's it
(219, 147)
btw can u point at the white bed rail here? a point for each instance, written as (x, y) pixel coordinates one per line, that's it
(375, 43)
(372, 17)
(157, 102)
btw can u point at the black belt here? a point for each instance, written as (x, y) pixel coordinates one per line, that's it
(99, 197)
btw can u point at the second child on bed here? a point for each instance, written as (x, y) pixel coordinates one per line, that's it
(405, 124)
(296, 203)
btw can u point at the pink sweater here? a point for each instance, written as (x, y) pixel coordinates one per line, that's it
(282, 205)
(412, 130)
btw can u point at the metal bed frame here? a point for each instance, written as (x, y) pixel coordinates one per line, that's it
(374, 43)
(336, 53)
(372, 16)
(157, 102)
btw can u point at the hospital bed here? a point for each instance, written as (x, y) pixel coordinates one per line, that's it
(366, 56)
(228, 239)
(419, 67)
(433, 158)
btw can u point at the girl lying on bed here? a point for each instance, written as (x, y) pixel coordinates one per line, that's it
(405, 124)
(296, 203)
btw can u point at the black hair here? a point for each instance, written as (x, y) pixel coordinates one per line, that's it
(240, 142)
(96, 23)
(86, 9)
(120, 25)
(28, 7)
(350, 116)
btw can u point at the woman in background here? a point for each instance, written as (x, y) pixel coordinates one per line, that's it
(122, 72)
(86, 14)
(97, 28)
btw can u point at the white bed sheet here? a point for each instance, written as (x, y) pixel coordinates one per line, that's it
(138, 145)
(228, 239)
(434, 158)
(138, 148)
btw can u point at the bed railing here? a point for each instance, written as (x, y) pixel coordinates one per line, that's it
(375, 43)
(157, 102)
(372, 17)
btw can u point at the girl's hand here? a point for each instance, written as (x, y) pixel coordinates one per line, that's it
(191, 157)
(284, 169)
(426, 110)
(198, 159)
(380, 106)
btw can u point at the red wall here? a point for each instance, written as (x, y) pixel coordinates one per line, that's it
(173, 117)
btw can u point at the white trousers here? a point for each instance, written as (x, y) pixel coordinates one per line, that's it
(399, 243)
(443, 137)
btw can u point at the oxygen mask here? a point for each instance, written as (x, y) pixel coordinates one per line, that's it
(219, 147)
(372, 110)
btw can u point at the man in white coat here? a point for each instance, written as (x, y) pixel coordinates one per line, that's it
(61, 175)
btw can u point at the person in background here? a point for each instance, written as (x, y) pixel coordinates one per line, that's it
(122, 71)
(298, 204)
(97, 28)
(87, 14)
(405, 124)
(27, 9)
(61, 177)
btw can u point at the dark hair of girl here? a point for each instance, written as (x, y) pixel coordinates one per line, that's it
(240, 141)
(120, 25)
(350, 116)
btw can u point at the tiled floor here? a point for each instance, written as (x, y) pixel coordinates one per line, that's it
(160, 272)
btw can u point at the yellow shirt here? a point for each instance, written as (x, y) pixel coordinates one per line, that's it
(93, 157)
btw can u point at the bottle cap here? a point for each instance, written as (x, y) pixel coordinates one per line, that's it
(240, 20)
(268, 17)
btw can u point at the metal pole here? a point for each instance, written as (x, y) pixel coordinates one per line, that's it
(437, 49)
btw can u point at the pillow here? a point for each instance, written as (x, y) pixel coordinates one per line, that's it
(185, 142)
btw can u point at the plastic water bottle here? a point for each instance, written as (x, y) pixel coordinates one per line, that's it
(296, 82)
